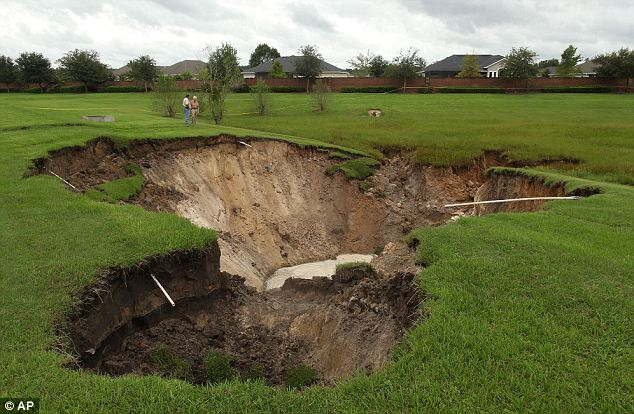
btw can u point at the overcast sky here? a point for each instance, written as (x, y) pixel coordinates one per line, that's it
(173, 30)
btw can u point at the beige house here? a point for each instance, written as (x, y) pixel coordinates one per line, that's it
(263, 70)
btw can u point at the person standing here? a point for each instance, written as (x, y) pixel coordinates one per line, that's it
(186, 105)
(194, 109)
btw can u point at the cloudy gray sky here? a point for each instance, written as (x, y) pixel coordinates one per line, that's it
(172, 30)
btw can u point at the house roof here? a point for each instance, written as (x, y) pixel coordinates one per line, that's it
(588, 67)
(288, 62)
(453, 63)
(191, 66)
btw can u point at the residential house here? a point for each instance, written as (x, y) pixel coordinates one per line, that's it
(263, 70)
(489, 66)
(184, 66)
(587, 69)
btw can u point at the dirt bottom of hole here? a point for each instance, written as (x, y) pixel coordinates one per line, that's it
(308, 331)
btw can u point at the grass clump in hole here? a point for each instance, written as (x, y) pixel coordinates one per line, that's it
(122, 189)
(301, 376)
(170, 364)
(218, 367)
(354, 265)
(255, 371)
(358, 168)
(339, 155)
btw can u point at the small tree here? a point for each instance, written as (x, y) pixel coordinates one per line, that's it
(309, 64)
(519, 64)
(35, 68)
(407, 65)
(618, 64)
(221, 74)
(261, 97)
(277, 71)
(187, 76)
(378, 65)
(569, 61)
(143, 69)
(8, 71)
(83, 66)
(263, 53)
(321, 95)
(547, 63)
(361, 64)
(165, 96)
(470, 67)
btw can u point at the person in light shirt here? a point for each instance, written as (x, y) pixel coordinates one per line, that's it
(193, 104)
(186, 106)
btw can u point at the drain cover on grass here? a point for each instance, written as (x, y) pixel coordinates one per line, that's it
(98, 118)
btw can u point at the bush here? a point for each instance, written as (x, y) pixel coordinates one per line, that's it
(300, 376)
(577, 89)
(469, 89)
(170, 364)
(261, 97)
(368, 89)
(244, 88)
(121, 89)
(321, 95)
(165, 96)
(287, 89)
(358, 169)
(70, 89)
(218, 367)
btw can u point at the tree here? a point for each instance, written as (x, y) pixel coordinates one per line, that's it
(263, 53)
(261, 97)
(378, 66)
(519, 64)
(187, 76)
(166, 96)
(407, 65)
(277, 71)
(470, 67)
(619, 64)
(547, 63)
(8, 71)
(361, 64)
(308, 65)
(220, 75)
(569, 60)
(35, 68)
(143, 69)
(83, 66)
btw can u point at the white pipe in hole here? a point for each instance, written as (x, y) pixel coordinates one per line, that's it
(512, 199)
(72, 186)
(244, 143)
(162, 289)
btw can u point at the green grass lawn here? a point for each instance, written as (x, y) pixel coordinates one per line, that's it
(530, 312)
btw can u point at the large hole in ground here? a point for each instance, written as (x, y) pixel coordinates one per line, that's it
(274, 207)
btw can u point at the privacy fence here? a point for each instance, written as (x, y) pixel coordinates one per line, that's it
(388, 85)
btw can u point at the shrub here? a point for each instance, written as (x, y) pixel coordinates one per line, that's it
(358, 168)
(261, 99)
(255, 371)
(321, 95)
(217, 367)
(300, 376)
(368, 89)
(287, 89)
(170, 364)
(244, 88)
(165, 96)
(70, 89)
(121, 89)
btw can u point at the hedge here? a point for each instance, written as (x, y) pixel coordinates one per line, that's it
(577, 89)
(467, 89)
(244, 88)
(368, 89)
(287, 89)
(121, 89)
